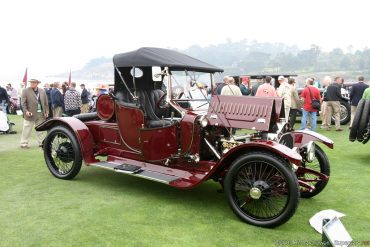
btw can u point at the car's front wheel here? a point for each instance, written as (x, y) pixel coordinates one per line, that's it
(62, 153)
(261, 189)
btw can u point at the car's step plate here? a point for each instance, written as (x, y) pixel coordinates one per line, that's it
(104, 164)
(155, 176)
(136, 171)
(128, 168)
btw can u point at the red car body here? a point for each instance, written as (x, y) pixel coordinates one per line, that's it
(187, 146)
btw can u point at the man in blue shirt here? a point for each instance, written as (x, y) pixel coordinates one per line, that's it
(57, 100)
(84, 99)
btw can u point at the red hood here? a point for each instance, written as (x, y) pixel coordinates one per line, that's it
(245, 112)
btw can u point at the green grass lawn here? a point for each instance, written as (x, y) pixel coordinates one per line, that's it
(101, 208)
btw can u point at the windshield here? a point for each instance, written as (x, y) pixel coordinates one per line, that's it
(191, 89)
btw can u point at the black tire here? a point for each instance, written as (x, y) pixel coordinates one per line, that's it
(268, 187)
(364, 120)
(356, 121)
(62, 153)
(367, 136)
(345, 113)
(320, 164)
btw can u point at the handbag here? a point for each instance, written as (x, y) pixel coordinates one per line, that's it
(315, 102)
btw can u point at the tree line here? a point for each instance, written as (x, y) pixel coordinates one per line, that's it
(251, 57)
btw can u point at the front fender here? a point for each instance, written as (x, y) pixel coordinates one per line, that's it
(81, 131)
(271, 146)
(299, 138)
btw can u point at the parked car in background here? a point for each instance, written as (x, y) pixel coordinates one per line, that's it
(345, 107)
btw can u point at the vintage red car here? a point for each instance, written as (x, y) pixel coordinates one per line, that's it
(163, 123)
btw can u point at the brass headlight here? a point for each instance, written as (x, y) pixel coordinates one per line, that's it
(203, 121)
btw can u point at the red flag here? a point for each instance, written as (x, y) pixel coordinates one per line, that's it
(69, 79)
(25, 79)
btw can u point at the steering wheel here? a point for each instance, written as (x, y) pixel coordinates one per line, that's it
(161, 103)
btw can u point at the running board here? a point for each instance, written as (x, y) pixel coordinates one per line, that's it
(136, 171)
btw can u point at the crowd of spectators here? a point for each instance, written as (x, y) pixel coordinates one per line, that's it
(330, 98)
(37, 103)
(64, 100)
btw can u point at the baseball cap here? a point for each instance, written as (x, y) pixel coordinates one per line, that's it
(245, 79)
(34, 81)
(280, 78)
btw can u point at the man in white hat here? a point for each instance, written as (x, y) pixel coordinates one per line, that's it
(35, 109)
(284, 91)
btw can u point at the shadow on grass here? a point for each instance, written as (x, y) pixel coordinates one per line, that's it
(202, 197)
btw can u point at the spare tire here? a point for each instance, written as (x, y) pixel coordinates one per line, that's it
(356, 121)
(367, 136)
(87, 116)
(364, 120)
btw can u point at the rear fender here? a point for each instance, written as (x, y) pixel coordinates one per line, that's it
(81, 131)
(269, 146)
(300, 138)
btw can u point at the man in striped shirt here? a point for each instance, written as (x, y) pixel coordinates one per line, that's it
(72, 101)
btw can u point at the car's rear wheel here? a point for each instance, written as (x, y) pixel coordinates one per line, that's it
(62, 153)
(320, 164)
(261, 189)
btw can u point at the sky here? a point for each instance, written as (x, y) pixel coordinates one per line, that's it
(52, 37)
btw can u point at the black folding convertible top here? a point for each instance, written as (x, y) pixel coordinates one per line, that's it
(148, 57)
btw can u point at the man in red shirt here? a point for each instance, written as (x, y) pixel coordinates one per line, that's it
(308, 111)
